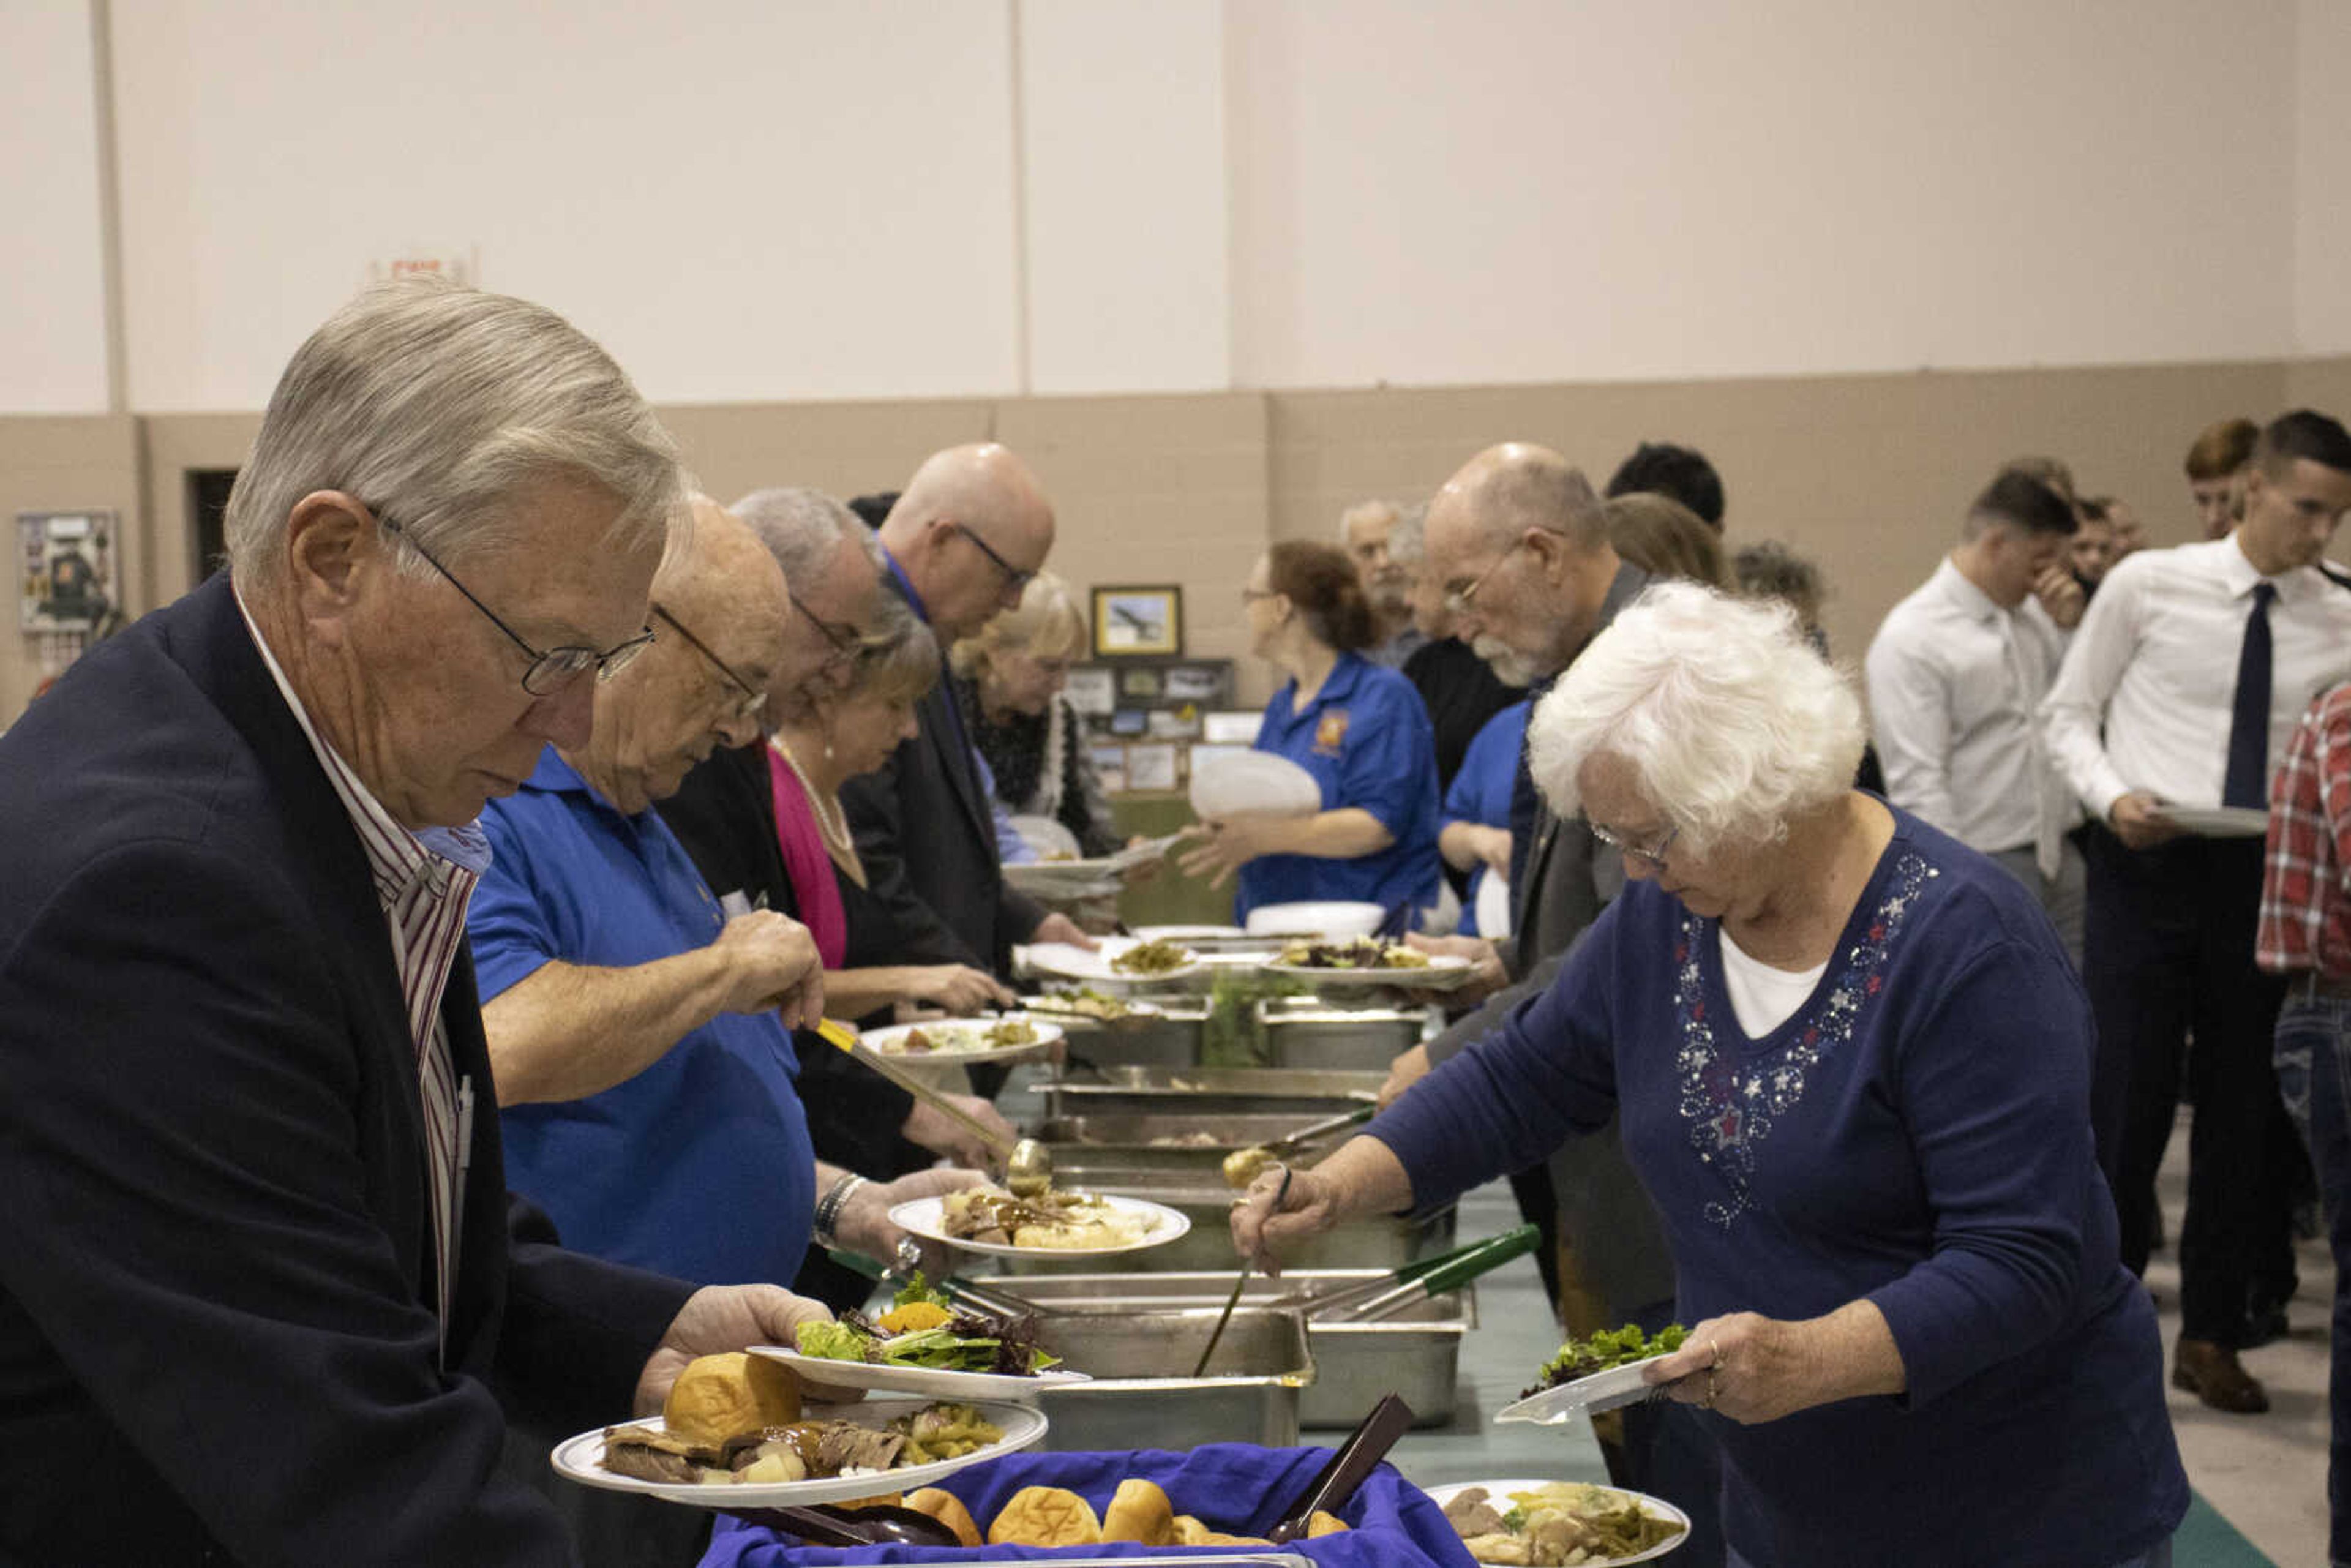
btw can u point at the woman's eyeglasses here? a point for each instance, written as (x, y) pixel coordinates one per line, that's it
(1651, 855)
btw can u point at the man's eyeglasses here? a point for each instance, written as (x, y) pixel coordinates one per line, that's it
(551, 669)
(1014, 576)
(1456, 600)
(1651, 855)
(847, 642)
(747, 698)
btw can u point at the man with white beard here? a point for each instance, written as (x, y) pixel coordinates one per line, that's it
(1366, 532)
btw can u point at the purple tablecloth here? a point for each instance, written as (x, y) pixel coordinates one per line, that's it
(1236, 1488)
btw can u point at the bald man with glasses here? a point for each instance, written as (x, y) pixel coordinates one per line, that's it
(962, 540)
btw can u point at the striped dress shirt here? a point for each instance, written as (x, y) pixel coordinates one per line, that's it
(423, 895)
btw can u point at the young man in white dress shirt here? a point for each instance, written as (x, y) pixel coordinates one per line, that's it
(1957, 673)
(2182, 688)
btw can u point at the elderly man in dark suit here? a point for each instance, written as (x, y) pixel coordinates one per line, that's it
(1529, 577)
(963, 539)
(262, 1296)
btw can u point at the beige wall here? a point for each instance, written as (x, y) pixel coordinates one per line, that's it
(984, 198)
(1868, 474)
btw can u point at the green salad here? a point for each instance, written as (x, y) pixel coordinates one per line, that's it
(924, 1328)
(1611, 1347)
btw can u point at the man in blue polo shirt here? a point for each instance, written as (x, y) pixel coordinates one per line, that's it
(639, 1035)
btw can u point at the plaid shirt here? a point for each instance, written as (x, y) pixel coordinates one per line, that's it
(2307, 871)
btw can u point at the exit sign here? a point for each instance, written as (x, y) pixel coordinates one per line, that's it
(459, 264)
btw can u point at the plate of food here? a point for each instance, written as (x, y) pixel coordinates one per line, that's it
(1085, 1002)
(1117, 960)
(927, 1344)
(1368, 961)
(1065, 1224)
(1592, 1374)
(1545, 1522)
(1014, 1037)
(734, 1434)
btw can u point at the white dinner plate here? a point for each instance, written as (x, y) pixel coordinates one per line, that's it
(1655, 1507)
(922, 1217)
(1493, 905)
(1048, 1006)
(580, 1460)
(1180, 933)
(1071, 962)
(2220, 821)
(1442, 972)
(930, 1382)
(1585, 1397)
(1049, 837)
(1336, 918)
(891, 1042)
(1229, 785)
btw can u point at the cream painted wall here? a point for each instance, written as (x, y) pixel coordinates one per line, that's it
(829, 200)
(1520, 190)
(2322, 232)
(53, 304)
(744, 201)
(1124, 113)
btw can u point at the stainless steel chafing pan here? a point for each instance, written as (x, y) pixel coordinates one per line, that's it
(1416, 1356)
(1208, 1091)
(1141, 1362)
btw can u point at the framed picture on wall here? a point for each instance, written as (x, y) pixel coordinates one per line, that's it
(1138, 623)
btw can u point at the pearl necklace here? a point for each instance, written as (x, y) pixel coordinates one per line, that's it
(832, 824)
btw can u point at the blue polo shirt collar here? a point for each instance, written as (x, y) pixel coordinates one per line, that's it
(1344, 676)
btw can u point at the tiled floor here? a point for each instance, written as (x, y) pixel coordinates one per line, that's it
(2266, 1473)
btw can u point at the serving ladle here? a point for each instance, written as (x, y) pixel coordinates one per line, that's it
(1027, 1164)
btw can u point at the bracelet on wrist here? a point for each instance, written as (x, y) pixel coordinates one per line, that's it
(828, 1207)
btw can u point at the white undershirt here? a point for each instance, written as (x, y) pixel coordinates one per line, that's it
(1764, 998)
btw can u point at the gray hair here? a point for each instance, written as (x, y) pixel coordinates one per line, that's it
(1367, 510)
(1732, 723)
(902, 663)
(803, 526)
(440, 406)
(1408, 544)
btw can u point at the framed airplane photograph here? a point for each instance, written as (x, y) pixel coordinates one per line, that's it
(1138, 623)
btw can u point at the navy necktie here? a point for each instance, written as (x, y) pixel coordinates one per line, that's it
(2247, 782)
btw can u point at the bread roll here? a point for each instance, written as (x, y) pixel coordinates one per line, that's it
(1322, 1523)
(1140, 1511)
(949, 1511)
(721, 1396)
(1190, 1532)
(1045, 1516)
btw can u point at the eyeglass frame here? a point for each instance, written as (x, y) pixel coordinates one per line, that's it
(749, 699)
(1651, 855)
(848, 641)
(610, 662)
(1458, 600)
(1014, 576)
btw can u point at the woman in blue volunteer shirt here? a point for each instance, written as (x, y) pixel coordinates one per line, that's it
(1359, 730)
(1474, 834)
